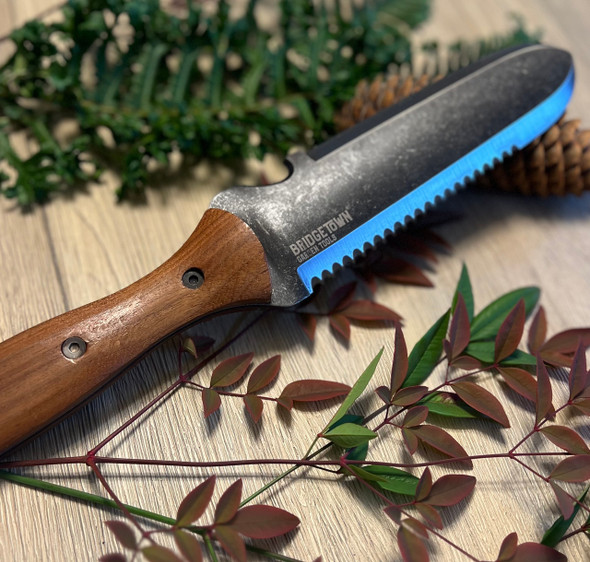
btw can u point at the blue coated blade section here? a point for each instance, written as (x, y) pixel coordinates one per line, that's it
(518, 134)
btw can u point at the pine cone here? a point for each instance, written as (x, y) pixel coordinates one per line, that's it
(557, 163)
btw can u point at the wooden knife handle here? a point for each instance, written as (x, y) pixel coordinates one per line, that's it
(39, 384)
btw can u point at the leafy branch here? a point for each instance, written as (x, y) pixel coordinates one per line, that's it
(208, 85)
(412, 502)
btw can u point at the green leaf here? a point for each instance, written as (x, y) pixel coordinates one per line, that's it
(364, 474)
(464, 287)
(559, 528)
(448, 404)
(358, 453)
(426, 352)
(485, 350)
(487, 323)
(350, 435)
(394, 479)
(357, 389)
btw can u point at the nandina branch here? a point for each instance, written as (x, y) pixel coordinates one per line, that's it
(248, 462)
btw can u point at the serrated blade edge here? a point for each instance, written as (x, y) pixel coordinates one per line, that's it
(515, 136)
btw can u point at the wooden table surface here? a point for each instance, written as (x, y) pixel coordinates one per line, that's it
(74, 251)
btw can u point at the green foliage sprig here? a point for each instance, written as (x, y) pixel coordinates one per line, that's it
(142, 83)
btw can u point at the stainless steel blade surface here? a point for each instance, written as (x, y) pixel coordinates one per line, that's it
(349, 192)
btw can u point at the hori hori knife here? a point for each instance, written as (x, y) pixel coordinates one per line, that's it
(268, 245)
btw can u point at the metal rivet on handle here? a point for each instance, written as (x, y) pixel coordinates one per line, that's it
(73, 348)
(193, 278)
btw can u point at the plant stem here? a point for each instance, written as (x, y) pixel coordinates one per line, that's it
(84, 496)
(95, 499)
(307, 457)
(209, 547)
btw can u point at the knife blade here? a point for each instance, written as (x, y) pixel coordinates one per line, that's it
(269, 245)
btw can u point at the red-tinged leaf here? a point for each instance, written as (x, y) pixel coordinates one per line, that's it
(508, 548)
(566, 438)
(211, 401)
(228, 503)
(188, 345)
(113, 557)
(341, 296)
(384, 394)
(424, 485)
(411, 546)
(286, 403)
(466, 363)
(578, 378)
(264, 374)
(370, 281)
(572, 469)
(415, 527)
(340, 324)
(231, 542)
(566, 504)
(313, 390)
(263, 522)
(450, 490)
(414, 245)
(430, 515)
(396, 270)
(520, 381)
(123, 532)
(308, 322)
(157, 553)
(203, 343)
(582, 405)
(188, 546)
(567, 342)
(510, 332)
(544, 406)
(440, 440)
(394, 513)
(529, 551)
(409, 395)
(369, 311)
(459, 330)
(537, 331)
(415, 416)
(254, 406)
(197, 345)
(434, 239)
(481, 400)
(556, 359)
(195, 503)
(231, 370)
(410, 440)
(399, 369)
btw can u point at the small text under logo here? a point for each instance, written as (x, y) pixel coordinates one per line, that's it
(319, 238)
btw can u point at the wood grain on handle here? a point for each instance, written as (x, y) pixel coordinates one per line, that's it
(38, 385)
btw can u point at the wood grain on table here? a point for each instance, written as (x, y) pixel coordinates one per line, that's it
(72, 252)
